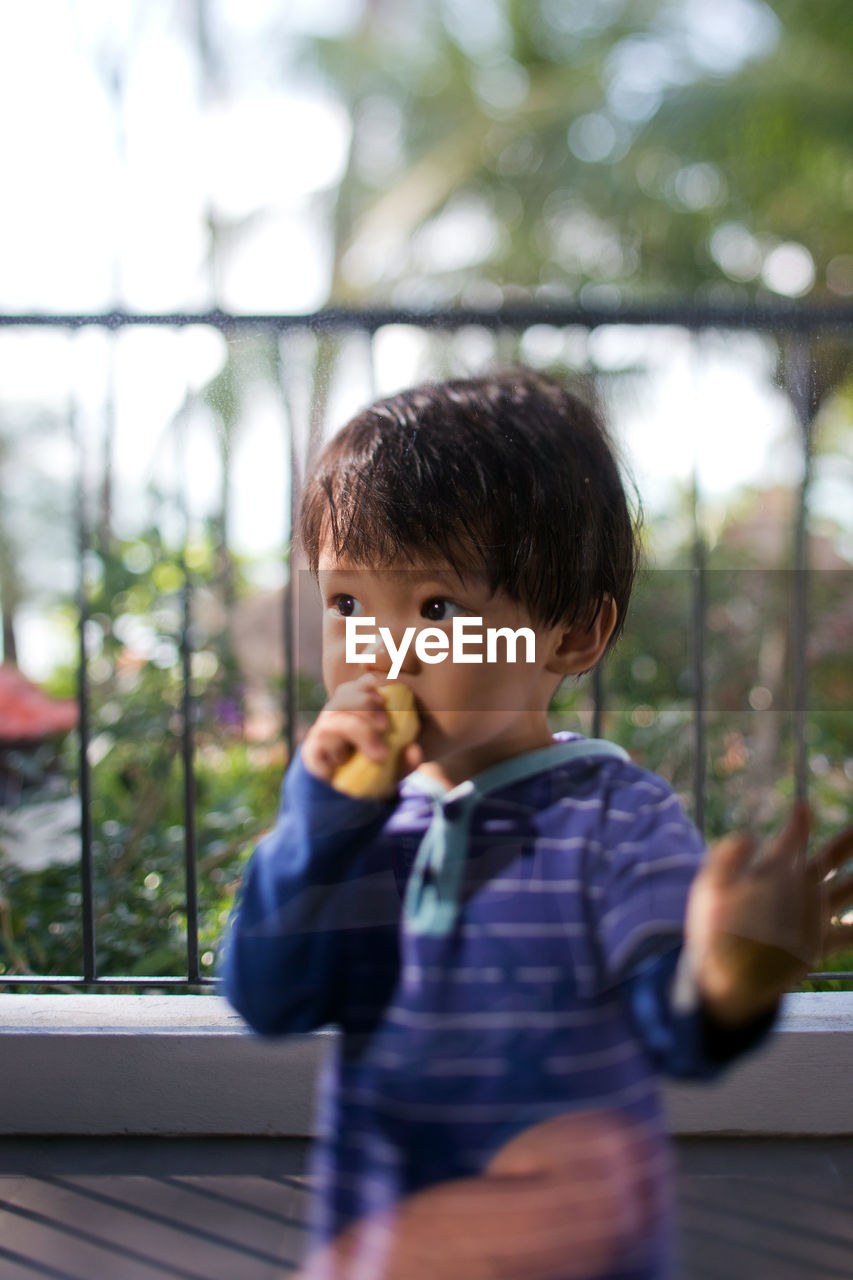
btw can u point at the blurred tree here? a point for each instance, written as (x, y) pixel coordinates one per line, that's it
(652, 148)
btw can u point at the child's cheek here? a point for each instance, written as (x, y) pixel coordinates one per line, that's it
(335, 668)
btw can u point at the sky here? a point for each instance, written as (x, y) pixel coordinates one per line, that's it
(108, 207)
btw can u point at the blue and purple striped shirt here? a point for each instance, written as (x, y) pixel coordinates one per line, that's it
(494, 955)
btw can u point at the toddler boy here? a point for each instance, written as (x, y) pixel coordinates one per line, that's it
(521, 936)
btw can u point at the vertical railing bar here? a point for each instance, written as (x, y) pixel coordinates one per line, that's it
(87, 877)
(698, 618)
(289, 654)
(289, 664)
(699, 606)
(287, 602)
(188, 713)
(800, 386)
(597, 699)
(590, 373)
(188, 761)
(372, 379)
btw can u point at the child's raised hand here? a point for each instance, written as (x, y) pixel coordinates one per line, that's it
(354, 719)
(756, 926)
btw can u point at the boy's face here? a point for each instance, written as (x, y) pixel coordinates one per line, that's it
(473, 714)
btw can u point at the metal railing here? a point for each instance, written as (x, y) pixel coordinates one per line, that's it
(796, 326)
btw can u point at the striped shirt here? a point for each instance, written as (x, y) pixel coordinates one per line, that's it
(483, 982)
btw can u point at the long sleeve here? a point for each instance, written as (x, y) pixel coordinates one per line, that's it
(306, 887)
(679, 1034)
(639, 881)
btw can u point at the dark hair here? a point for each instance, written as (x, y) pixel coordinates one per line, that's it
(511, 474)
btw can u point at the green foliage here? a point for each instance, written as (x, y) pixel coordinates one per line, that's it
(138, 857)
(137, 786)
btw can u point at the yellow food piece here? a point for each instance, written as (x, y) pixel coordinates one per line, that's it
(372, 779)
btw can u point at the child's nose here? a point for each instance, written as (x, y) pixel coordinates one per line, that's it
(398, 652)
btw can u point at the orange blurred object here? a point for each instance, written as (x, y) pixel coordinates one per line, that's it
(27, 714)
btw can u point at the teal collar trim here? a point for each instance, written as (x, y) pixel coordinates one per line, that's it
(431, 902)
(519, 767)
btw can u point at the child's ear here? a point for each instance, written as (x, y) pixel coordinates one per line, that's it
(578, 648)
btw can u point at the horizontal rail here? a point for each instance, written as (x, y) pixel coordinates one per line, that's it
(516, 316)
(78, 980)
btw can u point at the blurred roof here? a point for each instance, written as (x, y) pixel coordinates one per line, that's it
(27, 714)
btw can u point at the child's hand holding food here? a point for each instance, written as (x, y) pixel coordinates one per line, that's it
(363, 740)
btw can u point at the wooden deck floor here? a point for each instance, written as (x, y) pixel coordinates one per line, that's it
(213, 1209)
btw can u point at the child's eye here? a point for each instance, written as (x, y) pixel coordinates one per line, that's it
(438, 609)
(347, 606)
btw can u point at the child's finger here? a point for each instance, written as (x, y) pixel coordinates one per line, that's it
(412, 757)
(728, 857)
(362, 732)
(839, 896)
(835, 853)
(793, 839)
(339, 734)
(356, 694)
(363, 676)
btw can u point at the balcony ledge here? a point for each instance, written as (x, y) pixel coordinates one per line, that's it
(186, 1066)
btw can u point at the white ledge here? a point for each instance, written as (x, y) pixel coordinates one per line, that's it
(185, 1065)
